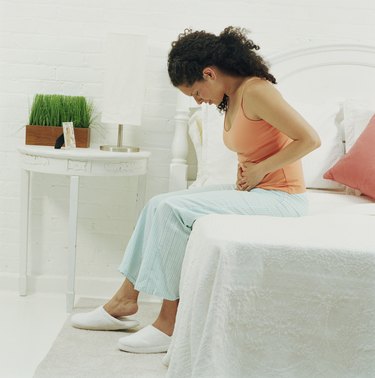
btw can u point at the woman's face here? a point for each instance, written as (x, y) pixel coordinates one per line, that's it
(208, 90)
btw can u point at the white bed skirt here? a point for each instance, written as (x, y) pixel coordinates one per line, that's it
(277, 297)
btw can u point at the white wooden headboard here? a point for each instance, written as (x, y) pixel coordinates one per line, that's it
(308, 74)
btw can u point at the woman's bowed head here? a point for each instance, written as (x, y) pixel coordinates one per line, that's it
(198, 61)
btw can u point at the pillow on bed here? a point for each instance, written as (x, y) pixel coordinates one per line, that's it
(216, 164)
(325, 118)
(357, 114)
(220, 163)
(357, 168)
(195, 134)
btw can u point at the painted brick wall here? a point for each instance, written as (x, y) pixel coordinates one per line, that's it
(55, 46)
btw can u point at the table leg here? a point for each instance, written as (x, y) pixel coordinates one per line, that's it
(141, 193)
(72, 236)
(24, 231)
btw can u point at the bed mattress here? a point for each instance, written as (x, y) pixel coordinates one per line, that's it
(277, 297)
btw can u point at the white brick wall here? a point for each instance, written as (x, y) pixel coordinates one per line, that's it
(52, 46)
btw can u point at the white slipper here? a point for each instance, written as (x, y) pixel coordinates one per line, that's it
(100, 320)
(147, 340)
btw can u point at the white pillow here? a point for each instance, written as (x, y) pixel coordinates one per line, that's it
(326, 119)
(357, 114)
(195, 133)
(216, 163)
(220, 163)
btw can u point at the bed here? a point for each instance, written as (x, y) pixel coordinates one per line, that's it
(284, 297)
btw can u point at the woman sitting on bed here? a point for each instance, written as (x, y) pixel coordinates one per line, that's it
(270, 138)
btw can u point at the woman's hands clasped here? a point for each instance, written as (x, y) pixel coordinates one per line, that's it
(249, 175)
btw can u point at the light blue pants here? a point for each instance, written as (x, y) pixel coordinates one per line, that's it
(153, 258)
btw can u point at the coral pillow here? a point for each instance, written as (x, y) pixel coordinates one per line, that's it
(356, 169)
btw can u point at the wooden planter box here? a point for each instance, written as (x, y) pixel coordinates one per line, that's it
(47, 135)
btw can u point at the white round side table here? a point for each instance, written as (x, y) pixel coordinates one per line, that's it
(74, 163)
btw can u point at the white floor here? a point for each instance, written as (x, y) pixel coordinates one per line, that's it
(28, 327)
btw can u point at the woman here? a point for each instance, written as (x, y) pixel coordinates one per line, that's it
(270, 138)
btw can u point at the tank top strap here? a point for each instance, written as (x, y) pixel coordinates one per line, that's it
(243, 89)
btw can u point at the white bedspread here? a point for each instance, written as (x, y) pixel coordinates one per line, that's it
(325, 202)
(277, 297)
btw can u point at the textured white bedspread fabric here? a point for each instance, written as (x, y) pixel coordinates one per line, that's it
(324, 202)
(277, 297)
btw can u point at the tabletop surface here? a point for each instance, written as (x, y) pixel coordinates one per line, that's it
(81, 153)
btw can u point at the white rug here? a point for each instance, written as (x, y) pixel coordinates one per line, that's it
(80, 353)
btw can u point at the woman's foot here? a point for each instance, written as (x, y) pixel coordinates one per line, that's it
(113, 315)
(164, 326)
(118, 308)
(124, 302)
(167, 317)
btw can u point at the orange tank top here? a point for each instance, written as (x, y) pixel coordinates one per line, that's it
(255, 141)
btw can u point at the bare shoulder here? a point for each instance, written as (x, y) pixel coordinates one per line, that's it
(259, 87)
(262, 100)
(259, 94)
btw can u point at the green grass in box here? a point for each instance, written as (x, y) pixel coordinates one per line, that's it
(53, 110)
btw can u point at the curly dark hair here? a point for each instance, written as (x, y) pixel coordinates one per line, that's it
(231, 51)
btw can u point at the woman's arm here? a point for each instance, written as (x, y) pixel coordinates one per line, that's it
(262, 100)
